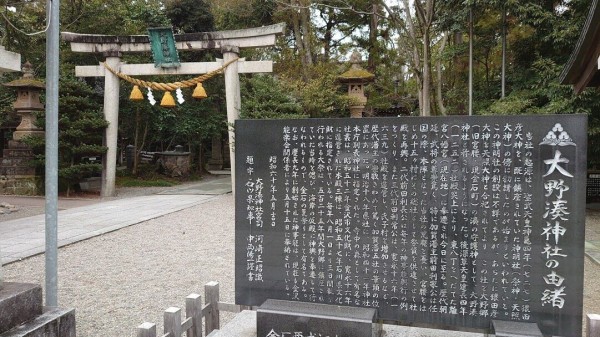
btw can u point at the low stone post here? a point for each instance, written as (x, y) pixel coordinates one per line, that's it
(193, 310)
(172, 322)
(216, 157)
(593, 325)
(129, 159)
(146, 330)
(211, 296)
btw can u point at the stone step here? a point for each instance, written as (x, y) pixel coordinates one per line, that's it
(10, 153)
(19, 303)
(19, 185)
(16, 161)
(15, 144)
(17, 170)
(53, 322)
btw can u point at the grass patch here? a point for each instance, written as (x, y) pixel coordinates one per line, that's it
(137, 182)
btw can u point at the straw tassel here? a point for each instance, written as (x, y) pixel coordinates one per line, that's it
(167, 100)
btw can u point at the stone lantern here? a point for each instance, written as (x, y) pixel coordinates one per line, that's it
(356, 78)
(17, 174)
(27, 103)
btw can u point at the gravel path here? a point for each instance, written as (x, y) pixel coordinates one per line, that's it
(22, 212)
(119, 280)
(30, 209)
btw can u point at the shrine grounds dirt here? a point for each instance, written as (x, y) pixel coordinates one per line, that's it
(121, 279)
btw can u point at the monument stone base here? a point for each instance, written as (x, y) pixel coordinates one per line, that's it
(22, 313)
(19, 303)
(53, 322)
(244, 325)
(313, 319)
(515, 329)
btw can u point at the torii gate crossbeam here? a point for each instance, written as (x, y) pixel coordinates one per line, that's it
(112, 47)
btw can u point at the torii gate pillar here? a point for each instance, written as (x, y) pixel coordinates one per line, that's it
(233, 99)
(111, 114)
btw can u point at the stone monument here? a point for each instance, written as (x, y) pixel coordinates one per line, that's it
(452, 221)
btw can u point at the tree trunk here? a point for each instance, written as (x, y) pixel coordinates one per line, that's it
(328, 36)
(373, 46)
(426, 108)
(460, 68)
(503, 52)
(471, 61)
(299, 42)
(301, 27)
(422, 64)
(439, 96)
(136, 149)
(416, 58)
(305, 22)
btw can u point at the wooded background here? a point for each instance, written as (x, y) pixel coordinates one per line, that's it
(418, 50)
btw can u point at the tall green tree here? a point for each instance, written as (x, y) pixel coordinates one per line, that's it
(81, 127)
(190, 16)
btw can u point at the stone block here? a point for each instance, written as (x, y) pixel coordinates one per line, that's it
(91, 184)
(18, 152)
(16, 161)
(54, 322)
(175, 164)
(9, 61)
(515, 329)
(593, 325)
(19, 303)
(18, 185)
(17, 171)
(242, 325)
(280, 318)
(15, 144)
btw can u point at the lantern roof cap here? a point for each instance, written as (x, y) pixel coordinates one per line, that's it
(356, 73)
(27, 81)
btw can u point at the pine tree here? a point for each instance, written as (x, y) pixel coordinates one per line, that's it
(81, 126)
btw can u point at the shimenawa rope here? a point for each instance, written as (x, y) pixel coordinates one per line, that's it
(169, 86)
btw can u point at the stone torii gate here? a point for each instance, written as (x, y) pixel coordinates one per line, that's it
(113, 47)
(9, 61)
